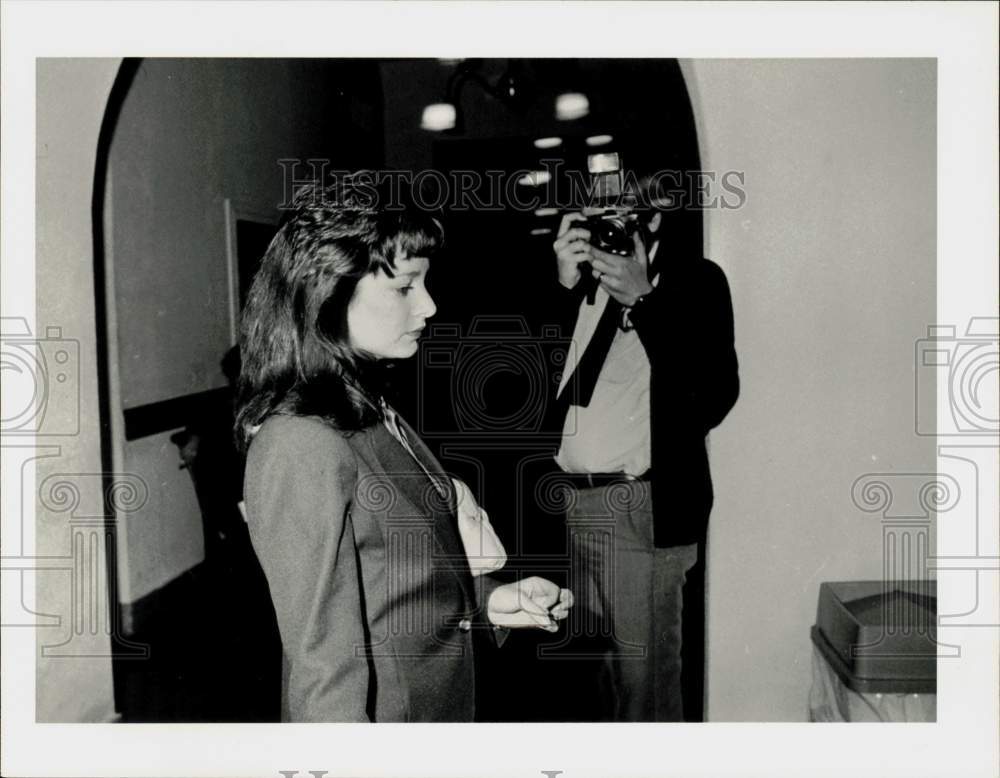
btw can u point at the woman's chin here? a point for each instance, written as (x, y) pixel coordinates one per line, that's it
(406, 350)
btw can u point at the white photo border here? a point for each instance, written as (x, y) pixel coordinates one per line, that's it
(962, 37)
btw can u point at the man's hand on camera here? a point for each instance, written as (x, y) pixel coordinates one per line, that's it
(572, 246)
(624, 278)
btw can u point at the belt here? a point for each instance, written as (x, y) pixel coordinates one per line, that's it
(596, 480)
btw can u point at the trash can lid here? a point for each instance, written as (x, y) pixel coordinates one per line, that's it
(879, 636)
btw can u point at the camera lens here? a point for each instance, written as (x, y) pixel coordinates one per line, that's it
(610, 234)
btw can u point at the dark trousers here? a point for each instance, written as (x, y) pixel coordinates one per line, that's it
(629, 601)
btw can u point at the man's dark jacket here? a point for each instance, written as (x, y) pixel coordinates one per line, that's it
(686, 327)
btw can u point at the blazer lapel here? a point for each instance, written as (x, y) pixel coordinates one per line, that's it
(420, 498)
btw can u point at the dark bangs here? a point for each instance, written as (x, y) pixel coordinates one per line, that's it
(408, 233)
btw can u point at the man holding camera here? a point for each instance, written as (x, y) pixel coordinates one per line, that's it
(653, 370)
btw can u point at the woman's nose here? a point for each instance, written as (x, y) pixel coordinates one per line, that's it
(427, 307)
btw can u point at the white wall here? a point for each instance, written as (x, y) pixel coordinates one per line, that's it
(192, 133)
(76, 686)
(832, 268)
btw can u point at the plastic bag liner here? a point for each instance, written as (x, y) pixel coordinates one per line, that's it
(830, 699)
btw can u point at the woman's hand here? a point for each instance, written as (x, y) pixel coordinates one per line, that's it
(530, 602)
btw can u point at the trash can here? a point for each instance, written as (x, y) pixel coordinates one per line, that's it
(875, 652)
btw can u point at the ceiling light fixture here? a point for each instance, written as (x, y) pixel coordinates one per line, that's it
(547, 143)
(571, 105)
(512, 88)
(535, 178)
(438, 117)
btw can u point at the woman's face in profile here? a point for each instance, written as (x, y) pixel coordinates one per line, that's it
(387, 314)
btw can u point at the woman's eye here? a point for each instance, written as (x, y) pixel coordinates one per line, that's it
(405, 290)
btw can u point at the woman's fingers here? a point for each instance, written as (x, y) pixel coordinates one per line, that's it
(561, 609)
(522, 618)
(516, 620)
(536, 602)
(543, 589)
(530, 602)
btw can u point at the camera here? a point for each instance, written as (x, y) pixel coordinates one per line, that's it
(612, 230)
(42, 376)
(967, 369)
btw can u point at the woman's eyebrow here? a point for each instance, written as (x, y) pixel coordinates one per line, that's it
(411, 274)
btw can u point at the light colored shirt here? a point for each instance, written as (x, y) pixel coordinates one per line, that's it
(610, 435)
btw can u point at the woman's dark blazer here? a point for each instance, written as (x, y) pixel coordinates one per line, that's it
(374, 599)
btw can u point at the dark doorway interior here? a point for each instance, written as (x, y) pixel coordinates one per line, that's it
(212, 637)
(252, 240)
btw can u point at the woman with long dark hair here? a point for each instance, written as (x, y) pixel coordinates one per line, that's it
(353, 519)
